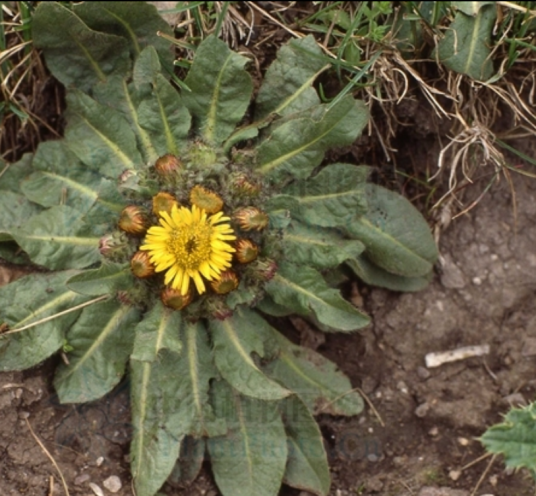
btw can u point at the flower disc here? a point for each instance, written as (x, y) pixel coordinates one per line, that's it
(189, 244)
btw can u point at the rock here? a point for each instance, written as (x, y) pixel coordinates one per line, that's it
(113, 484)
(96, 489)
(422, 410)
(423, 373)
(441, 491)
(452, 276)
(515, 400)
(80, 479)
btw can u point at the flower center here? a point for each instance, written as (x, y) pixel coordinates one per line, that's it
(191, 245)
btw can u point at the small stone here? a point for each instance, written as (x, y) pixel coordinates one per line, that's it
(422, 410)
(452, 276)
(493, 480)
(402, 387)
(529, 346)
(99, 461)
(113, 484)
(477, 281)
(24, 415)
(80, 479)
(96, 489)
(455, 474)
(372, 457)
(434, 431)
(463, 441)
(441, 491)
(423, 373)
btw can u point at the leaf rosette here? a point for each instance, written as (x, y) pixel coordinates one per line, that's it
(168, 225)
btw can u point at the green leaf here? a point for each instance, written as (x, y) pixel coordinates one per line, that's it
(297, 145)
(318, 247)
(235, 339)
(28, 300)
(58, 239)
(11, 175)
(100, 136)
(331, 198)
(395, 234)
(304, 290)
(137, 22)
(251, 458)
(470, 8)
(102, 340)
(15, 210)
(375, 276)
(465, 48)
(307, 465)
(165, 118)
(316, 380)
(159, 330)
(195, 365)
(189, 464)
(287, 86)
(514, 438)
(268, 306)
(106, 279)
(75, 54)
(158, 421)
(221, 89)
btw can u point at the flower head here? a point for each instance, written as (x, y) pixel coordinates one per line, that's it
(190, 244)
(133, 220)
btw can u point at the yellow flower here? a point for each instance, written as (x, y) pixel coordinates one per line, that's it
(190, 244)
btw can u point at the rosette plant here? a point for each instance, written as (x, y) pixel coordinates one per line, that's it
(170, 229)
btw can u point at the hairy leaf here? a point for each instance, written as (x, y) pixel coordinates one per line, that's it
(304, 290)
(316, 380)
(287, 86)
(251, 458)
(100, 136)
(331, 198)
(158, 421)
(235, 339)
(58, 239)
(297, 145)
(318, 247)
(75, 54)
(189, 464)
(29, 300)
(375, 276)
(15, 210)
(221, 89)
(102, 340)
(307, 466)
(514, 438)
(109, 277)
(159, 330)
(465, 47)
(396, 236)
(138, 23)
(11, 175)
(470, 8)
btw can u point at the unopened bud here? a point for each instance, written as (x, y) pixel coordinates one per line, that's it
(133, 220)
(227, 282)
(141, 265)
(164, 202)
(242, 186)
(207, 200)
(251, 218)
(173, 298)
(264, 269)
(168, 165)
(246, 251)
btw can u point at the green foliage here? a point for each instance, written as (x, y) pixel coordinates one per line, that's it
(515, 438)
(215, 375)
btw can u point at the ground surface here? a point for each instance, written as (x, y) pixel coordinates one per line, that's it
(483, 294)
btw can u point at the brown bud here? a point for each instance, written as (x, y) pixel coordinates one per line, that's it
(241, 185)
(141, 265)
(264, 269)
(218, 309)
(133, 220)
(250, 218)
(173, 298)
(163, 202)
(246, 251)
(167, 165)
(207, 200)
(227, 282)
